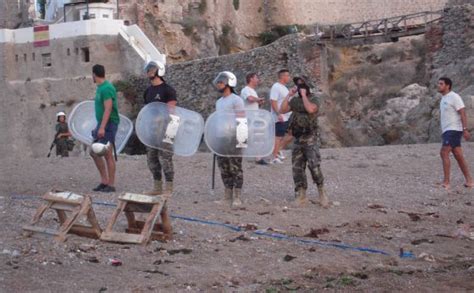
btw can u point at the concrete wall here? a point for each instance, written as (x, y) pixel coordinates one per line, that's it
(283, 12)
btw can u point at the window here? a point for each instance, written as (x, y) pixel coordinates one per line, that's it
(33, 56)
(46, 59)
(77, 51)
(85, 54)
(24, 57)
(16, 58)
(68, 52)
(105, 16)
(92, 16)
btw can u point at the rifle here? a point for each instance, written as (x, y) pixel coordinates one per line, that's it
(213, 172)
(53, 143)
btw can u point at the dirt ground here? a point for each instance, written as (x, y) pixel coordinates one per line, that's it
(385, 199)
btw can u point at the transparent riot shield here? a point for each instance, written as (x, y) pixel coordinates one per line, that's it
(82, 121)
(170, 128)
(249, 133)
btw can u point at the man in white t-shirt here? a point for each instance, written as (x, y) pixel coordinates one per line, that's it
(454, 127)
(278, 93)
(248, 93)
(251, 100)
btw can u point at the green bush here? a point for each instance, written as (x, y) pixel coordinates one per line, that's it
(279, 31)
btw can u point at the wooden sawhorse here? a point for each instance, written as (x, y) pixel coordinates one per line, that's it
(140, 232)
(64, 203)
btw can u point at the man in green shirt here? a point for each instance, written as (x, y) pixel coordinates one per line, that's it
(106, 113)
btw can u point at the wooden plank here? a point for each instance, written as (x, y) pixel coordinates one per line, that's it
(121, 237)
(63, 230)
(115, 215)
(84, 231)
(131, 219)
(94, 223)
(166, 221)
(61, 216)
(39, 212)
(43, 230)
(138, 207)
(63, 206)
(142, 198)
(63, 196)
(150, 222)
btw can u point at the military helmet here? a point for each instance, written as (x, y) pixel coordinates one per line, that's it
(155, 65)
(226, 77)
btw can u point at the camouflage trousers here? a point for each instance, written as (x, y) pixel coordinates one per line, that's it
(159, 160)
(231, 171)
(306, 155)
(61, 148)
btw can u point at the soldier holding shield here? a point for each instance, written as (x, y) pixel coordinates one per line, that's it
(159, 161)
(230, 167)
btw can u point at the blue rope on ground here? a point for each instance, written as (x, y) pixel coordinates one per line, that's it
(239, 229)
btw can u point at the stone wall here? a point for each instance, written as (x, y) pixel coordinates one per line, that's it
(192, 80)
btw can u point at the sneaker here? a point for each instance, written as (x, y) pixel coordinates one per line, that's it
(99, 187)
(276, 161)
(261, 162)
(108, 188)
(281, 156)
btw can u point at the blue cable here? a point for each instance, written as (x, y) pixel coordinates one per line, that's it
(257, 232)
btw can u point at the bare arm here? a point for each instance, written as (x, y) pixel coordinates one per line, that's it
(285, 106)
(310, 107)
(466, 133)
(252, 99)
(107, 111)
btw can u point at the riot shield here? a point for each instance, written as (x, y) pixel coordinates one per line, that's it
(170, 128)
(249, 133)
(82, 121)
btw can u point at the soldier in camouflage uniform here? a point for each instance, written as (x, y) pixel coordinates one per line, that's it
(230, 167)
(159, 161)
(303, 124)
(63, 135)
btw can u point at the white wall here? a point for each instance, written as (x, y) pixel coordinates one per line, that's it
(65, 30)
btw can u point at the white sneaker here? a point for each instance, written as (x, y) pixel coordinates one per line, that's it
(276, 161)
(281, 156)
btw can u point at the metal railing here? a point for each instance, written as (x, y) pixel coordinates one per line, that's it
(404, 25)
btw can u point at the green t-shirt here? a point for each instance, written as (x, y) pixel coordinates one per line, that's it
(104, 92)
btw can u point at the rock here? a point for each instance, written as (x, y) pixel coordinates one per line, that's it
(427, 257)
(288, 257)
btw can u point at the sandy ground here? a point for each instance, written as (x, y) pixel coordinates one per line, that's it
(386, 200)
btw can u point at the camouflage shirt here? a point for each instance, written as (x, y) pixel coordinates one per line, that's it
(301, 123)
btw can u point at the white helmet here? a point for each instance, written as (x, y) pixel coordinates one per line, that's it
(60, 114)
(226, 77)
(99, 148)
(160, 67)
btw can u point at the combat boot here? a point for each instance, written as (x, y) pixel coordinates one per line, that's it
(169, 188)
(236, 202)
(227, 197)
(323, 199)
(157, 188)
(300, 197)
